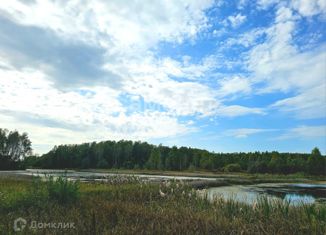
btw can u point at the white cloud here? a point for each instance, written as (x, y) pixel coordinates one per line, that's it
(237, 110)
(247, 39)
(128, 38)
(117, 24)
(29, 91)
(180, 69)
(304, 132)
(305, 8)
(284, 14)
(309, 7)
(29, 102)
(185, 98)
(280, 66)
(266, 3)
(237, 20)
(144, 126)
(151, 79)
(119, 41)
(125, 32)
(245, 132)
(306, 105)
(234, 85)
(242, 4)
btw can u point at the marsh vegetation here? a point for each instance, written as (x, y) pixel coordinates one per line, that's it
(133, 206)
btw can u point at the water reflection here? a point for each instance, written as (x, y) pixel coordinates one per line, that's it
(294, 193)
(98, 176)
(297, 199)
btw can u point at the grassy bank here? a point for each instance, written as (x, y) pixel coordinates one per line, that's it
(210, 174)
(221, 178)
(132, 207)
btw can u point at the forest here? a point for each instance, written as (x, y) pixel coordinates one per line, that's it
(126, 154)
(141, 155)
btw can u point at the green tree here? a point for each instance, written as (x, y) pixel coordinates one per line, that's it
(316, 162)
(315, 152)
(14, 145)
(154, 159)
(206, 161)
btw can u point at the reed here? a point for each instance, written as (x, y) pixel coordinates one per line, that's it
(136, 207)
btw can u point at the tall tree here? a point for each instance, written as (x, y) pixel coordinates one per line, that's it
(154, 159)
(14, 145)
(316, 162)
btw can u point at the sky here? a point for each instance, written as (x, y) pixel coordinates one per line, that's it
(226, 76)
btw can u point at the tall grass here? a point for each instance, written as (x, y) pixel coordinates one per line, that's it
(144, 208)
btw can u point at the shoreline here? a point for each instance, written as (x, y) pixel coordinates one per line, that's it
(194, 179)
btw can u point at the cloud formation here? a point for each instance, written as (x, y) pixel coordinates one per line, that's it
(245, 132)
(93, 70)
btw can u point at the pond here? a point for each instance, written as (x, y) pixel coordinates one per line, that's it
(294, 193)
(85, 176)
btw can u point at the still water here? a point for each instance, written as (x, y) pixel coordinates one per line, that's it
(97, 176)
(293, 193)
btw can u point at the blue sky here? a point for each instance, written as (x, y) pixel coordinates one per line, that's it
(222, 75)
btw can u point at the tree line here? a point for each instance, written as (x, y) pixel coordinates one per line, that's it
(141, 155)
(126, 154)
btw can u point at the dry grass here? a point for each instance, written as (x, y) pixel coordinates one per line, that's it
(139, 208)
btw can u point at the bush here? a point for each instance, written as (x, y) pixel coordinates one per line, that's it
(232, 168)
(62, 190)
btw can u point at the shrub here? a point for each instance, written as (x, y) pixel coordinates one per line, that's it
(62, 190)
(36, 193)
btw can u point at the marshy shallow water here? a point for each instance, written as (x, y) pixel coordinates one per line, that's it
(89, 176)
(295, 193)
